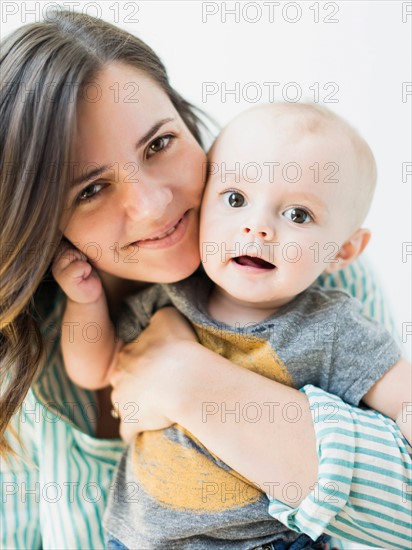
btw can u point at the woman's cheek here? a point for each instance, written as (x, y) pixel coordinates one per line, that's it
(189, 166)
(99, 244)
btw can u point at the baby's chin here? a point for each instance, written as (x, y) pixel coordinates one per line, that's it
(248, 296)
(260, 295)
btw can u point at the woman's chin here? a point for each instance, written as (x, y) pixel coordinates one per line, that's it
(181, 272)
(176, 270)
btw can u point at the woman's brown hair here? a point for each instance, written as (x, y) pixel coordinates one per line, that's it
(44, 68)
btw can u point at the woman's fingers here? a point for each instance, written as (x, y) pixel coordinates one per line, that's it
(145, 370)
(143, 378)
(135, 404)
(169, 323)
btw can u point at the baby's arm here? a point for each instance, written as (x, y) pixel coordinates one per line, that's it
(88, 337)
(392, 396)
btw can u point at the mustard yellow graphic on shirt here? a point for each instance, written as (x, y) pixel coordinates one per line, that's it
(251, 352)
(181, 477)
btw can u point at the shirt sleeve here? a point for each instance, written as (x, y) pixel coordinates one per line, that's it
(19, 481)
(361, 282)
(363, 351)
(138, 309)
(364, 489)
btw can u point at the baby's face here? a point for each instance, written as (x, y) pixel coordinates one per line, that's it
(276, 208)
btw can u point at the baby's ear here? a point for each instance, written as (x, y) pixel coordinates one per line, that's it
(350, 250)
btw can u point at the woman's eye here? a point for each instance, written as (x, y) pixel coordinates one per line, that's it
(89, 192)
(235, 199)
(159, 144)
(298, 215)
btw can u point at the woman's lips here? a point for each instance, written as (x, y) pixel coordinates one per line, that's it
(166, 238)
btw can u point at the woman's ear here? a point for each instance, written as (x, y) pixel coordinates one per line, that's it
(350, 250)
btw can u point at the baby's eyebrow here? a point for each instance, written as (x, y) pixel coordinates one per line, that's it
(313, 199)
(222, 176)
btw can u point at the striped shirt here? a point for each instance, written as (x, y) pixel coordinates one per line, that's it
(363, 460)
(54, 494)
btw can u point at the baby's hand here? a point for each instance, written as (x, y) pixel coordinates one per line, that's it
(77, 278)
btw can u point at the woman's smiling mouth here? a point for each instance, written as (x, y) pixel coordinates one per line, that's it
(166, 238)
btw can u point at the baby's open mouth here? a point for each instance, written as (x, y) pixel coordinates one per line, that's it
(253, 261)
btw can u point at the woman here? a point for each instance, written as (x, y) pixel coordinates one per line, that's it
(108, 171)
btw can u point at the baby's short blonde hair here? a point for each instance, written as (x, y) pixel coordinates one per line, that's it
(312, 118)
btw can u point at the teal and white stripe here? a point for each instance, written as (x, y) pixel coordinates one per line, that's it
(362, 283)
(54, 495)
(364, 461)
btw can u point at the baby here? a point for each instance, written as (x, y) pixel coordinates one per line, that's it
(289, 186)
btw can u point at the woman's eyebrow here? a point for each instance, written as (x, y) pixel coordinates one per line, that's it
(93, 174)
(152, 131)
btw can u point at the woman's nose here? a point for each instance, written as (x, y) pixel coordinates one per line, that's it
(259, 229)
(143, 200)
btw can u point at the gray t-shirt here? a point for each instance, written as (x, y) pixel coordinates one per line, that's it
(184, 497)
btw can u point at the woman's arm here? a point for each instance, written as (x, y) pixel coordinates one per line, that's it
(346, 473)
(221, 407)
(171, 378)
(364, 487)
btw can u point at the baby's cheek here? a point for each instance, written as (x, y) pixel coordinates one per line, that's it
(211, 237)
(208, 226)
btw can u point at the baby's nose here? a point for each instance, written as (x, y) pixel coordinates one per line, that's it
(263, 231)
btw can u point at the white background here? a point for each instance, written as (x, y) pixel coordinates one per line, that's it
(366, 52)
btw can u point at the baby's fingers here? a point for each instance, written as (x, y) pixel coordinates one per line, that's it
(74, 273)
(76, 276)
(66, 255)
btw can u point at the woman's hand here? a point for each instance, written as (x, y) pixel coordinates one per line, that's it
(167, 377)
(147, 374)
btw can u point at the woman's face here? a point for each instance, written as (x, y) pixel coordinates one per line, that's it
(138, 180)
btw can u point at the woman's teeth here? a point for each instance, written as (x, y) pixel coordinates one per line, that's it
(166, 234)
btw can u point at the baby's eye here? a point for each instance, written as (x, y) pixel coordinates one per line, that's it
(89, 192)
(234, 199)
(298, 215)
(159, 144)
